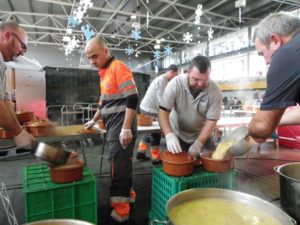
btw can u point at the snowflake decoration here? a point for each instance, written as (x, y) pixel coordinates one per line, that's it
(79, 13)
(156, 69)
(129, 50)
(137, 54)
(73, 22)
(198, 13)
(69, 31)
(66, 39)
(187, 37)
(210, 34)
(73, 43)
(136, 34)
(88, 32)
(156, 54)
(168, 50)
(85, 4)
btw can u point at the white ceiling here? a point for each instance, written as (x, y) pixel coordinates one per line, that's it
(46, 20)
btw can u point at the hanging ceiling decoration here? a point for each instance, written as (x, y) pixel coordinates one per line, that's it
(157, 54)
(187, 37)
(198, 13)
(240, 4)
(168, 50)
(136, 34)
(129, 50)
(210, 33)
(74, 20)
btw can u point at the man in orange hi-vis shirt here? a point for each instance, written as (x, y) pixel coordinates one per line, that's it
(118, 101)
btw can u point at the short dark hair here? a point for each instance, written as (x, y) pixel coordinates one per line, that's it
(172, 67)
(201, 62)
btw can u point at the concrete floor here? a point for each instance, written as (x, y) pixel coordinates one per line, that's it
(255, 176)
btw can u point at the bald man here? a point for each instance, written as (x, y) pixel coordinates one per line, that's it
(117, 105)
(13, 43)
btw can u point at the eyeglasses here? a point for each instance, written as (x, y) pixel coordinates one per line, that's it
(23, 45)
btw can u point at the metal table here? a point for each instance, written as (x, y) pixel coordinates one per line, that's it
(64, 133)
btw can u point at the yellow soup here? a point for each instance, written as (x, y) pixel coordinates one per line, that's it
(222, 149)
(215, 211)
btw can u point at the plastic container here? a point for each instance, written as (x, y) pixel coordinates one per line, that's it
(47, 200)
(164, 186)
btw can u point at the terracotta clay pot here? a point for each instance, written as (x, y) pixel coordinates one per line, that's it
(24, 116)
(72, 171)
(215, 165)
(144, 120)
(5, 134)
(101, 125)
(181, 164)
(40, 127)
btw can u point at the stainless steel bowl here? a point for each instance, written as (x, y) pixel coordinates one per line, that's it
(51, 153)
(60, 222)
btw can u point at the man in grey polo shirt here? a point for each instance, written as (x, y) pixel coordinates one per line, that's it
(190, 109)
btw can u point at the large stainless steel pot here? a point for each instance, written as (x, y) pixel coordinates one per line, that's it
(290, 188)
(60, 222)
(253, 201)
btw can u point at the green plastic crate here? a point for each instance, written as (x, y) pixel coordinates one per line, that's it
(165, 186)
(47, 200)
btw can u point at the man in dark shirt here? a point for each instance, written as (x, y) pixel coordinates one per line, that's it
(277, 39)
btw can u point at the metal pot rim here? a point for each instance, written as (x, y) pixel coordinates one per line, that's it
(278, 170)
(218, 191)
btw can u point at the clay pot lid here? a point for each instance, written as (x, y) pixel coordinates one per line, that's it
(179, 158)
(87, 131)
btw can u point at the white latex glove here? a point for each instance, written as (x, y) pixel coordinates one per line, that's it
(24, 140)
(89, 124)
(125, 137)
(173, 143)
(195, 149)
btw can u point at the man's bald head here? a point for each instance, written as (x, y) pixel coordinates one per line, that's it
(97, 51)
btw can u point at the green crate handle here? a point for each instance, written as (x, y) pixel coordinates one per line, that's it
(153, 222)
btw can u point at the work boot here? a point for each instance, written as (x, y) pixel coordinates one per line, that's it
(156, 162)
(141, 156)
(114, 222)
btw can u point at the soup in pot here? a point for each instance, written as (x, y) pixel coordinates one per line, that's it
(213, 211)
(222, 149)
